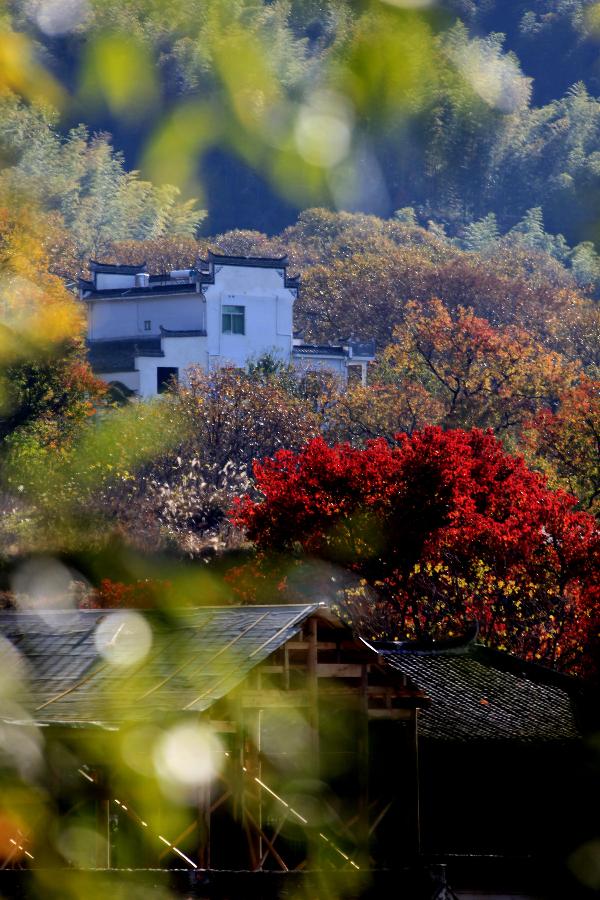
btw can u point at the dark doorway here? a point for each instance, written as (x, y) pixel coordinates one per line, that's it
(165, 377)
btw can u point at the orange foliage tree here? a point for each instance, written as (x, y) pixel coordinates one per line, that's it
(382, 409)
(46, 385)
(482, 376)
(566, 443)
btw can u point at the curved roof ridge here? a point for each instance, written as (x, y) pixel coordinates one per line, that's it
(276, 262)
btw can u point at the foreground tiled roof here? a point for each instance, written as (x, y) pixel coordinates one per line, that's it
(119, 355)
(477, 694)
(196, 657)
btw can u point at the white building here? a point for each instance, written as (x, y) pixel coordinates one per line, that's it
(144, 330)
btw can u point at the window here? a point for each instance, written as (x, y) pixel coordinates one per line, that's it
(147, 325)
(165, 377)
(233, 320)
(354, 375)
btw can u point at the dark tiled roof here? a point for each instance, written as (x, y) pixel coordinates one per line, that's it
(259, 262)
(165, 277)
(317, 350)
(119, 355)
(196, 657)
(115, 268)
(291, 281)
(204, 275)
(158, 289)
(166, 332)
(148, 351)
(363, 348)
(478, 694)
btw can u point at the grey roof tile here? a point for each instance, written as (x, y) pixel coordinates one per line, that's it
(482, 695)
(197, 656)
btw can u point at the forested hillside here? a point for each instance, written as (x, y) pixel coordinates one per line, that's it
(472, 108)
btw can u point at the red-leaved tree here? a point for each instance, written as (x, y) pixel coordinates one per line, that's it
(442, 527)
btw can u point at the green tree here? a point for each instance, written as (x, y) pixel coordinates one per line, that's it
(585, 264)
(85, 181)
(482, 235)
(530, 233)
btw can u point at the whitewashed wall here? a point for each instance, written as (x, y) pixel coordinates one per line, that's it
(335, 364)
(131, 380)
(181, 353)
(268, 307)
(268, 314)
(108, 281)
(122, 318)
(184, 352)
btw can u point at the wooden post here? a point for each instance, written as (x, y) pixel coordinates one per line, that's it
(103, 854)
(204, 805)
(286, 668)
(251, 811)
(363, 767)
(313, 693)
(235, 772)
(417, 790)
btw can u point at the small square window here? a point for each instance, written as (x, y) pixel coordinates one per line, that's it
(233, 320)
(147, 325)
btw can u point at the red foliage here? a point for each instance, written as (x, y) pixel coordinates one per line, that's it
(445, 526)
(118, 595)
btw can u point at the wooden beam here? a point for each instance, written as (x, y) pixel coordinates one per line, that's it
(380, 817)
(270, 697)
(235, 771)
(269, 844)
(304, 645)
(252, 792)
(339, 670)
(274, 837)
(180, 837)
(221, 726)
(390, 713)
(330, 645)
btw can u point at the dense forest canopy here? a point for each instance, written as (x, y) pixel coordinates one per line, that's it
(467, 109)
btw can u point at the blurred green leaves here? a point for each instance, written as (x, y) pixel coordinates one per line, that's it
(119, 72)
(244, 78)
(389, 65)
(22, 73)
(178, 143)
(108, 453)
